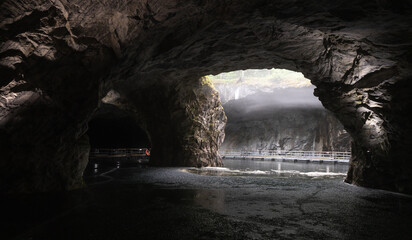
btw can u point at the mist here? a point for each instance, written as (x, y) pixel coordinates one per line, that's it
(267, 104)
(264, 91)
(281, 98)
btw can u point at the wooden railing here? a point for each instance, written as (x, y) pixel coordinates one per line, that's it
(119, 152)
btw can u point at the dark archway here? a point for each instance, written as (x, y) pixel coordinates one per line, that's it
(56, 69)
(111, 127)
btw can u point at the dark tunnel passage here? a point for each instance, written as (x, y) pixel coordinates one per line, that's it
(116, 140)
(113, 128)
(116, 133)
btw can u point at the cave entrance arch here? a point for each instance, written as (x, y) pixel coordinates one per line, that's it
(359, 94)
(273, 115)
(296, 119)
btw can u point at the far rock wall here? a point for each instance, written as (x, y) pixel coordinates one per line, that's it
(290, 129)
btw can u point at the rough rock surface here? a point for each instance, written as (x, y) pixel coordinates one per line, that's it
(290, 129)
(59, 58)
(183, 120)
(273, 118)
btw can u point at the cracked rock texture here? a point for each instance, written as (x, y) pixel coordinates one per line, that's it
(272, 118)
(183, 120)
(59, 58)
(282, 128)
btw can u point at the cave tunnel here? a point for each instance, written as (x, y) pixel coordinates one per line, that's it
(60, 60)
(362, 76)
(111, 128)
(116, 140)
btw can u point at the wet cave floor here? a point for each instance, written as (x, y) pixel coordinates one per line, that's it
(181, 203)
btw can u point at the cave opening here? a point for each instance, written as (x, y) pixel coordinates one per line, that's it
(113, 128)
(116, 139)
(274, 117)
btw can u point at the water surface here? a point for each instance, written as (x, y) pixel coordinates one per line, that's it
(235, 167)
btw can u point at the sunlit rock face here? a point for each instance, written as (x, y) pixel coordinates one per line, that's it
(275, 109)
(256, 125)
(59, 58)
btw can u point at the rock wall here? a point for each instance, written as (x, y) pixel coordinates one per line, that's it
(290, 129)
(272, 118)
(50, 82)
(378, 121)
(66, 55)
(185, 122)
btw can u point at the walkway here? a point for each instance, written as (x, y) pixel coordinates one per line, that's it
(120, 153)
(286, 156)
